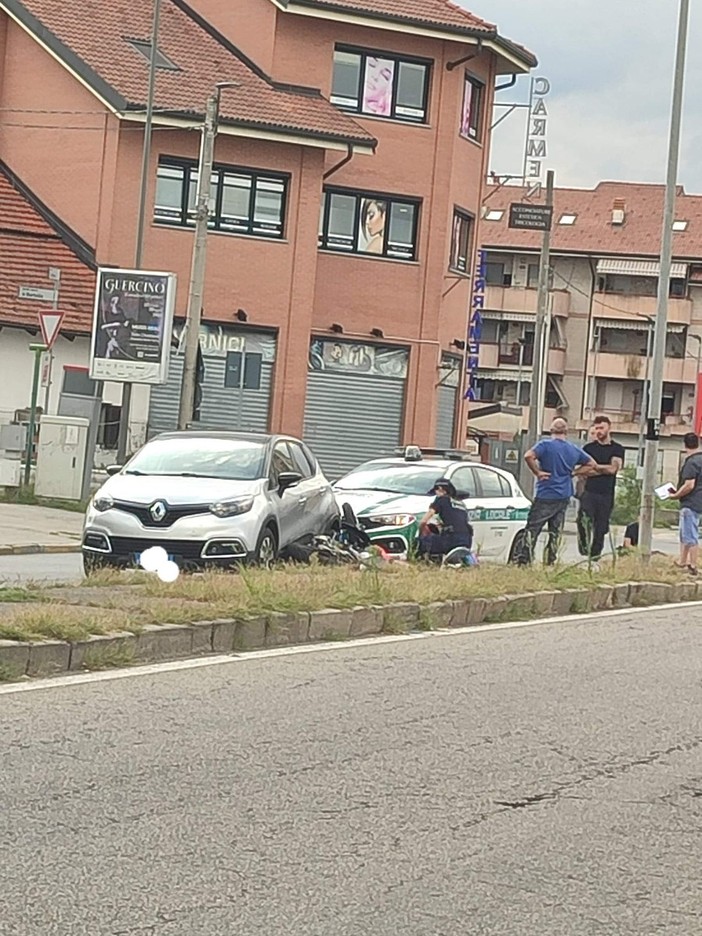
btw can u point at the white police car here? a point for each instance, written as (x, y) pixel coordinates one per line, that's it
(391, 495)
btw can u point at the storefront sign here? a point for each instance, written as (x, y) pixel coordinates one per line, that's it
(475, 325)
(219, 341)
(527, 217)
(535, 148)
(351, 357)
(132, 325)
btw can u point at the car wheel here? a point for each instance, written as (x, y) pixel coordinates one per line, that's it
(266, 548)
(92, 564)
(517, 548)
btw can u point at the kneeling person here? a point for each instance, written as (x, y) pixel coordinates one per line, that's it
(454, 528)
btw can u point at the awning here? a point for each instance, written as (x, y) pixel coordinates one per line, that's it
(639, 325)
(508, 316)
(640, 268)
(557, 385)
(508, 376)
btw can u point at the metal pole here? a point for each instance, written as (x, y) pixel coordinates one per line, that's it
(123, 437)
(197, 275)
(645, 394)
(38, 351)
(50, 365)
(540, 363)
(660, 332)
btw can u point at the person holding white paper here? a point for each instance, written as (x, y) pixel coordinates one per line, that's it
(689, 493)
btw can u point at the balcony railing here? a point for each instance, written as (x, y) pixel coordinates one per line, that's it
(505, 356)
(523, 299)
(633, 367)
(616, 306)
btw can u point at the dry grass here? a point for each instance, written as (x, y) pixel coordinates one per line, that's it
(119, 602)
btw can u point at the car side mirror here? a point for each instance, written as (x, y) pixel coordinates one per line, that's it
(288, 479)
(113, 469)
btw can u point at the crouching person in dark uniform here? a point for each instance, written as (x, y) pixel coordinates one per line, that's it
(445, 525)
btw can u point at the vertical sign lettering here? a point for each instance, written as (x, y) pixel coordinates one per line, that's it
(475, 324)
(535, 149)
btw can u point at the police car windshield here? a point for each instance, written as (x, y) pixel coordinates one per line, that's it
(392, 478)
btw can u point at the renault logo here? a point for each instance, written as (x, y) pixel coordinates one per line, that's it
(158, 511)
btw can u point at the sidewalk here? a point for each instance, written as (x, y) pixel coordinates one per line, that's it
(28, 530)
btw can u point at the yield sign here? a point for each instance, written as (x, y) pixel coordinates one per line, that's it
(50, 327)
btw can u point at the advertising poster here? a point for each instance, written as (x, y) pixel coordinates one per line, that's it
(373, 224)
(377, 86)
(469, 92)
(379, 360)
(132, 325)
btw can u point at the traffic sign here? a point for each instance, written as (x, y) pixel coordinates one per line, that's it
(50, 327)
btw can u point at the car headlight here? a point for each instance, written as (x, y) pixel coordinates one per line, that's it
(232, 508)
(393, 520)
(103, 502)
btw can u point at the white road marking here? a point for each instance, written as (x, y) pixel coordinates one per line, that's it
(156, 669)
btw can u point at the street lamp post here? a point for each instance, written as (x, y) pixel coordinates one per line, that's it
(660, 332)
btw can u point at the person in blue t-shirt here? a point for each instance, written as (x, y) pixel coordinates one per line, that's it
(553, 461)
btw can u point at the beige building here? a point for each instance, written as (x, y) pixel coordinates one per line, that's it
(605, 281)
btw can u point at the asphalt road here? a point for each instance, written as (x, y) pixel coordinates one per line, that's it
(542, 781)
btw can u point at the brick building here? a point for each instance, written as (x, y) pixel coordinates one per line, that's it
(348, 177)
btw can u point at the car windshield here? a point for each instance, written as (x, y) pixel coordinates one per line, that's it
(227, 459)
(394, 479)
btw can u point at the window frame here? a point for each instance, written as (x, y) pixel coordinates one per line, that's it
(361, 196)
(397, 59)
(460, 215)
(480, 87)
(482, 471)
(189, 167)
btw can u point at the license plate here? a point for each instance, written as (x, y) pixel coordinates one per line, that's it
(137, 559)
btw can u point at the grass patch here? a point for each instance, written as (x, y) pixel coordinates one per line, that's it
(114, 657)
(19, 595)
(127, 602)
(26, 495)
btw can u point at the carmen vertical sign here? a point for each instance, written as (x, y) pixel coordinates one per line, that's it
(535, 149)
(132, 325)
(475, 324)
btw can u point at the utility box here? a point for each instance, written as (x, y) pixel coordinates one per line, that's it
(61, 457)
(13, 440)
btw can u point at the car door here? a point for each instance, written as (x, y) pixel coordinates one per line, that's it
(288, 504)
(311, 492)
(500, 513)
(465, 480)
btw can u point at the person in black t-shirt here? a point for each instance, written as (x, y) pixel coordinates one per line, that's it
(453, 527)
(597, 497)
(631, 535)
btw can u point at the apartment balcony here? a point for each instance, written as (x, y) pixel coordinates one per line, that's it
(629, 422)
(505, 358)
(633, 367)
(505, 425)
(521, 299)
(616, 306)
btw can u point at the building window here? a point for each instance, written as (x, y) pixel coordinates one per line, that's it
(472, 108)
(368, 224)
(241, 201)
(460, 242)
(380, 85)
(144, 47)
(496, 275)
(242, 371)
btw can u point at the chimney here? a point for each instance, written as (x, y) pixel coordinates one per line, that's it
(618, 211)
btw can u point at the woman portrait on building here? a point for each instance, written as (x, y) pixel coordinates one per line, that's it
(373, 215)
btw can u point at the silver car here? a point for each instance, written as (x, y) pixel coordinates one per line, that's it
(209, 499)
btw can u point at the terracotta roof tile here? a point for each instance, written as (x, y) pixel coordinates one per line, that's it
(94, 42)
(443, 14)
(29, 245)
(432, 12)
(593, 231)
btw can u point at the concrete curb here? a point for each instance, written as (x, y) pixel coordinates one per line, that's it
(156, 644)
(36, 549)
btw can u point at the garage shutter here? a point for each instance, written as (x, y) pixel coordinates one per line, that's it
(446, 416)
(350, 418)
(222, 407)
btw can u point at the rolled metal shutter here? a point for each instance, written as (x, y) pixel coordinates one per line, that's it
(222, 407)
(351, 418)
(446, 416)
